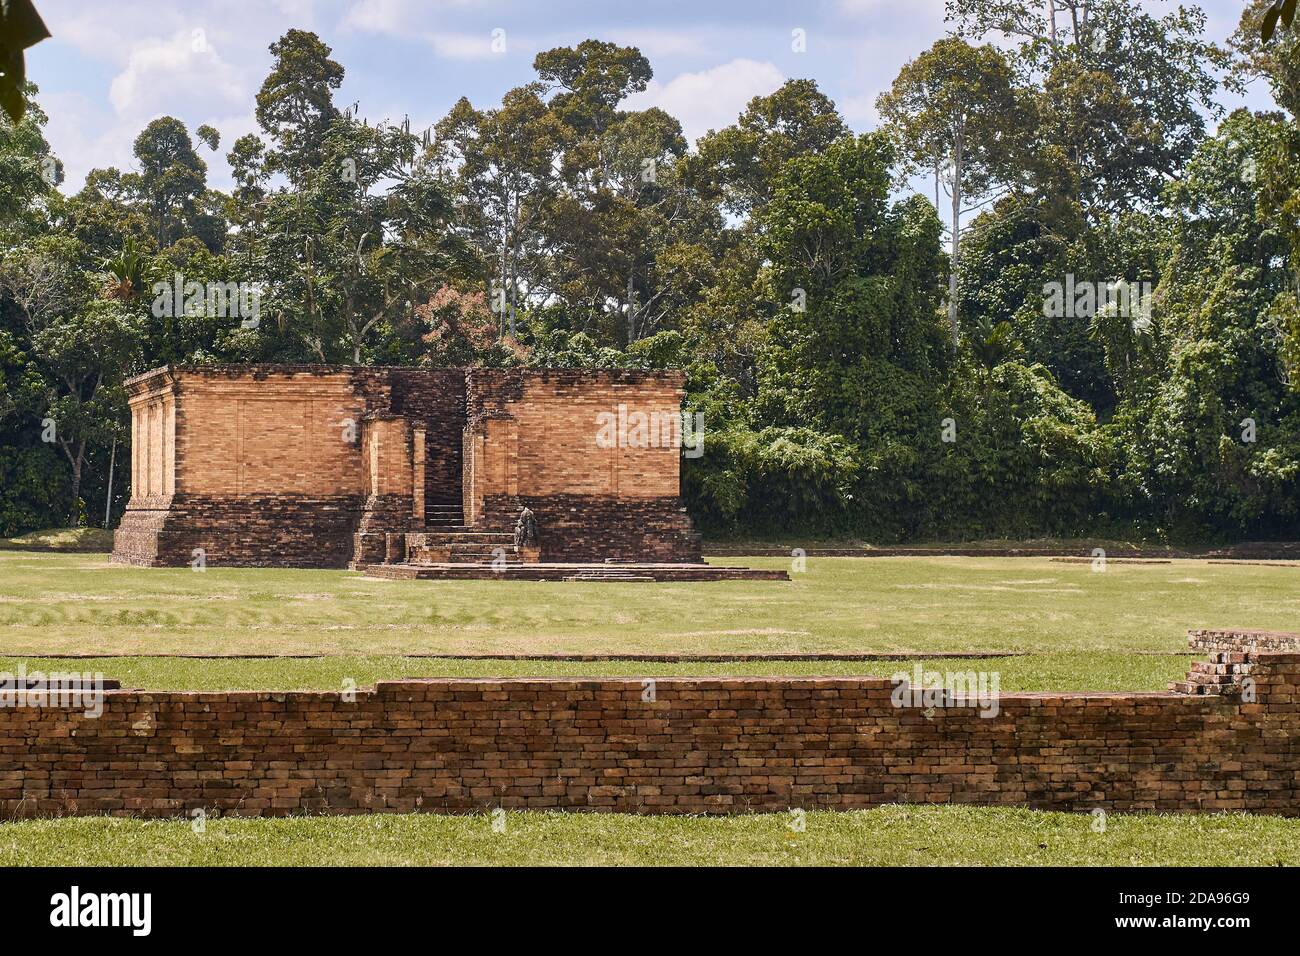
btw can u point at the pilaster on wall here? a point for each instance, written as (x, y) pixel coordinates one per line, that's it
(153, 441)
(391, 467)
(471, 497)
(417, 477)
(390, 458)
(491, 464)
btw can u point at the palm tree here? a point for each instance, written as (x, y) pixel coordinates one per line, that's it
(128, 267)
(991, 344)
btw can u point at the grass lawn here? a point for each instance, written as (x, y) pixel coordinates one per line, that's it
(895, 835)
(61, 539)
(55, 603)
(1062, 672)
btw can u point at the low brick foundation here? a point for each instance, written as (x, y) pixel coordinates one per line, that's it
(674, 745)
(286, 531)
(577, 528)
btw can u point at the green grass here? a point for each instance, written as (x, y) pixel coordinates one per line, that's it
(89, 540)
(1076, 546)
(1061, 672)
(73, 603)
(895, 835)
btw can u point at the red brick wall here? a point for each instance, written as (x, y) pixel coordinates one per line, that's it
(535, 439)
(701, 745)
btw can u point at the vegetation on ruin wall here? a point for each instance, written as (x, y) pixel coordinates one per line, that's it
(787, 263)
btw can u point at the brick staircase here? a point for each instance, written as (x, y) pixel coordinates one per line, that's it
(448, 549)
(448, 540)
(461, 545)
(1219, 676)
(444, 514)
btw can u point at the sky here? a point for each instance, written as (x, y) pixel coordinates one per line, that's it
(114, 65)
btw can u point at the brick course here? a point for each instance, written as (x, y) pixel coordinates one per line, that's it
(701, 745)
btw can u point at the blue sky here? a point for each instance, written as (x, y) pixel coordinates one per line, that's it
(113, 65)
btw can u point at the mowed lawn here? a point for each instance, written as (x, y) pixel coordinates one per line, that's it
(53, 603)
(893, 835)
(1091, 671)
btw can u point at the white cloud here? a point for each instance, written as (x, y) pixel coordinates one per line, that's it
(185, 70)
(709, 99)
(377, 16)
(158, 79)
(656, 43)
(894, 11)
(462, 46)
(81, 140)
(404, 18)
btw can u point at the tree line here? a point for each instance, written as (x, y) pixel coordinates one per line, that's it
(1100, 334)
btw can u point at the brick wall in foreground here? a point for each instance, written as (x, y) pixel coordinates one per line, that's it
(702, 745)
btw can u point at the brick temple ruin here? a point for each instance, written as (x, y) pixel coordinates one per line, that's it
(412, 473)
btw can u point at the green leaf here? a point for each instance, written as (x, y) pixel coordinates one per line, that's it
(12, 75)
(20, 25)
(1270, 23)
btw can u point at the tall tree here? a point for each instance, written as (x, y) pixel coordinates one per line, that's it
(1107, 72)
(172, 179)
(295, 105)
(741, 161)
(1277, 167)
(954, 111)
(28, 170)
(503, 166)
(590, 80)
(359, 244)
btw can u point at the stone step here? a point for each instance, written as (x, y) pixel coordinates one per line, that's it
(465, 536)
(1212, 680)
(1213, 667)
(480, 561)
(1229, 657)
(1196, 690)
(461, 555)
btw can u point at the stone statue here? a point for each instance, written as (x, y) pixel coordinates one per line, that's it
(526, 530)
